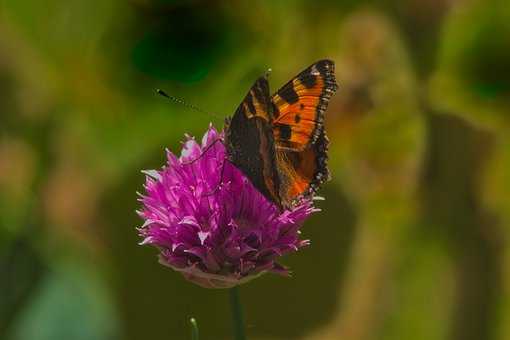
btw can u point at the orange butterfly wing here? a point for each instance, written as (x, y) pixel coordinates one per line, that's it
(298, 107)
(298, 129)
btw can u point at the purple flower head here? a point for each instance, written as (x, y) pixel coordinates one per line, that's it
(210, 223)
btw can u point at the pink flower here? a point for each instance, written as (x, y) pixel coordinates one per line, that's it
(210, 223)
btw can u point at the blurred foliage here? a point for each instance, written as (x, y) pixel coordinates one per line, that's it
(412, 242)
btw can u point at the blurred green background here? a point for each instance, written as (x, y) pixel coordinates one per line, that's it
(413, 240)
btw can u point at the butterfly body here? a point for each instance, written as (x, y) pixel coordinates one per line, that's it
(279, 141)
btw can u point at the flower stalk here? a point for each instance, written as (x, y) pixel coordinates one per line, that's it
(237, 314)
(194, 329)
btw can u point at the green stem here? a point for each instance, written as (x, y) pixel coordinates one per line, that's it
(194, 329)
(237, 314)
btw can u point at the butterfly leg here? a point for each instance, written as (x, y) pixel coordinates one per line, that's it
(203, 152)
(222, 166)
(218, 186)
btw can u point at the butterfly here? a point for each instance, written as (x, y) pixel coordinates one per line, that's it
(278, 141)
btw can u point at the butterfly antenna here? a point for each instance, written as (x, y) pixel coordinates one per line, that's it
(185, 103)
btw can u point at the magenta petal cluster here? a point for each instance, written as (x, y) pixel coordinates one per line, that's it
(210, 223)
